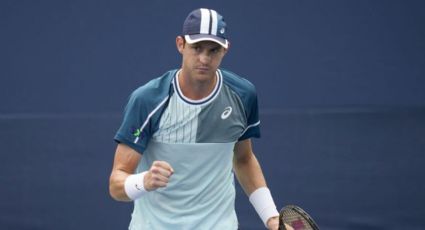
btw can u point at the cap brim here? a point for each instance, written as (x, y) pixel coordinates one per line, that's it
(194, 38)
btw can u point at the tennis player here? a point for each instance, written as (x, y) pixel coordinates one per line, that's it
(183, 136)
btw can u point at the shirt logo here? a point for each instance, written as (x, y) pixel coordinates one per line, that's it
(135, 131)
(226, 113)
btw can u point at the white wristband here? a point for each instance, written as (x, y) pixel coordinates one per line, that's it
(263, 203)
(133, 186)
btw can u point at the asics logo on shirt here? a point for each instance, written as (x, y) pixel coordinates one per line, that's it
(226, 113)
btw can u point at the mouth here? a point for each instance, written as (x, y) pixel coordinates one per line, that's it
(203, 69)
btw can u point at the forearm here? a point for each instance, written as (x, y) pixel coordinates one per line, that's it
(249, 173)
(125, 163)
(124, 185)
(116, 185)
(251, 178)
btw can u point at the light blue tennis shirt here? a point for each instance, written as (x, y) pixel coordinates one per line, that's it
(196, 137)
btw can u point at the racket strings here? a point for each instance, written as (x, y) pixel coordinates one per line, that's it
(297, 221)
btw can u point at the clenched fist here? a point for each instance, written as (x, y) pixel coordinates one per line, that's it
(158, 175)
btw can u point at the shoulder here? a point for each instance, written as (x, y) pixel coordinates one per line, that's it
(156, 85)
(238, 84)
(155, 90)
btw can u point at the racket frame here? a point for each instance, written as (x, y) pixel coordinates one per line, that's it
(301, 212)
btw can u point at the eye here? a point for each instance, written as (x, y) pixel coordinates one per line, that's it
(215, 50)
(196, 48)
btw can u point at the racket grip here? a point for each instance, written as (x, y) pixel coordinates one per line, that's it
(281, 223)
(282, 227)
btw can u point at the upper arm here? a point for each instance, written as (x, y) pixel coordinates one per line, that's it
(243, 150)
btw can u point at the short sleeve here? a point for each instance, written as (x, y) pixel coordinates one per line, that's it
(130, 131)
(253, 120)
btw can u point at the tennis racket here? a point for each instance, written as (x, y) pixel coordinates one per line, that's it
(297, 218)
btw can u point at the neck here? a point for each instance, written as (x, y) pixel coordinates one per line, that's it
(196, 89)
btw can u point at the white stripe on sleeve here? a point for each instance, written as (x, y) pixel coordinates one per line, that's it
(250, 126)
(149, 117)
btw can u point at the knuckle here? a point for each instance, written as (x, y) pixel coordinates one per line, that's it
(154, 169)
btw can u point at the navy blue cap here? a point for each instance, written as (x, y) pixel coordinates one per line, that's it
(205, 25)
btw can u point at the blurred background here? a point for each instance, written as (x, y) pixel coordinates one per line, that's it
(341, 88)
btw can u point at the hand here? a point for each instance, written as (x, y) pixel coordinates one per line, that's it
(158, 175)
(273, 224)
(288, 227)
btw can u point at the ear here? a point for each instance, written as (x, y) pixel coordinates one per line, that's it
(226, 49)
(228, 46)
(180, 44)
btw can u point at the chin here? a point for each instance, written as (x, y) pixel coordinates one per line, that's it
(204, 73)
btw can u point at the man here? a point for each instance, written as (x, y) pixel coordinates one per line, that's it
(183, 136)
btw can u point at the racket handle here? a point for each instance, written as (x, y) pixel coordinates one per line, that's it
(282, 227)
(281, 224)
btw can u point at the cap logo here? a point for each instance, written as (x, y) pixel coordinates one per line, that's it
(222, 31)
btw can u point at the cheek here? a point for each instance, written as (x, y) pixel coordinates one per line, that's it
(218, 60)
(189, 60)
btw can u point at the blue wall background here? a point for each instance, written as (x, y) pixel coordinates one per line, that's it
(341, 86)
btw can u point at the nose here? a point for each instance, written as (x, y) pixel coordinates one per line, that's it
(204, 58)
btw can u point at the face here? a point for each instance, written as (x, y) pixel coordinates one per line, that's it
(201, 59)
